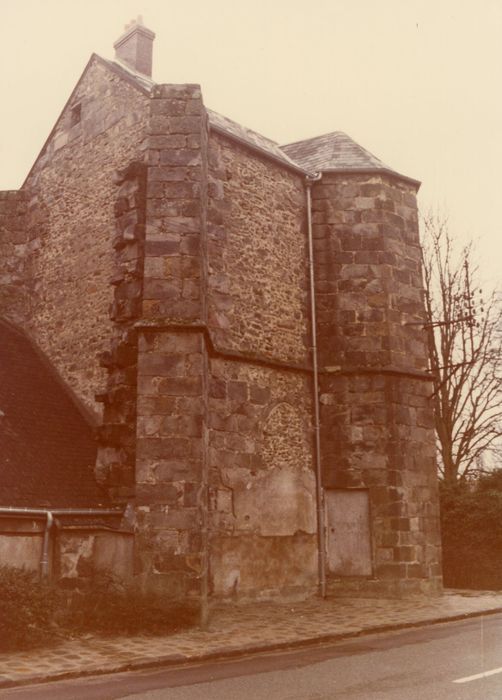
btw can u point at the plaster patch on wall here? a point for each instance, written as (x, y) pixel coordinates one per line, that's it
(21, 552)
(275, 503)
(75, 552)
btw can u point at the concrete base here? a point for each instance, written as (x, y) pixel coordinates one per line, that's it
(348, 587)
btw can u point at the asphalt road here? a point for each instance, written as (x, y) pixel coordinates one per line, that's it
(457, 660)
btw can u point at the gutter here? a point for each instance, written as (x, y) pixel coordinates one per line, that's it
(321, 539)
(49, 514)
(372, 171)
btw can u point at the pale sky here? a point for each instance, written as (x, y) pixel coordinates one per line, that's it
(416, 82)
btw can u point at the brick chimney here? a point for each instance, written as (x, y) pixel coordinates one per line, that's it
(135, 46)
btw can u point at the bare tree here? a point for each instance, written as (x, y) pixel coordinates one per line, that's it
(464, 338)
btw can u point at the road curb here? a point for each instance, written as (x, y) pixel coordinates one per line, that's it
(223, 653)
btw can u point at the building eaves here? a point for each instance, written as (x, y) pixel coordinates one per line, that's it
(253, 140)
(334, 152)
(217, 122)
(337, 152)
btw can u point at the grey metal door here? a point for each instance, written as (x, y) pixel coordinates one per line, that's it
(349, 540)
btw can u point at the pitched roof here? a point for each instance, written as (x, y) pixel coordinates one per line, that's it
(251, 138)
(336, 151)
(139, 79)
(217, 121)
(47, 449)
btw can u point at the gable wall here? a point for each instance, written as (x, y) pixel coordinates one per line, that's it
(71, 224)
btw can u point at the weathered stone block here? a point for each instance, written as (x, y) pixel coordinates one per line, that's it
(163, 448)
(191, 386)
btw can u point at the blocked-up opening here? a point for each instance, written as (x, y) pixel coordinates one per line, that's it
(349, 534)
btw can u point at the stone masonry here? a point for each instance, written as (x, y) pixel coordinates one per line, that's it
(171, 470)
(14, 287)
(72, 195)
(377, 429)
(158, 254)
(115, 465)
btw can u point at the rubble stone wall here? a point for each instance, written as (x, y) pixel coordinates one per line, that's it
(262, 497)
(14, 250)
(71, 224)
(262, 506)
(376, 417)
(257, 243)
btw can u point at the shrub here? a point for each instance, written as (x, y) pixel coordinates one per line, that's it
(33, 613)
(107, 605)
(28, 609)
(471, 532)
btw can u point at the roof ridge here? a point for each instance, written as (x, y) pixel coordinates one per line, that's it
(313, 138)
(368, 153)
(242, 126)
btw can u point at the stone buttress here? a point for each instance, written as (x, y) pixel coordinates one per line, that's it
(171, 492)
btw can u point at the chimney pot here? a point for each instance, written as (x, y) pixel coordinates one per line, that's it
(135, 47)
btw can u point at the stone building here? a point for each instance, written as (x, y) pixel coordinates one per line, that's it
(241, 322)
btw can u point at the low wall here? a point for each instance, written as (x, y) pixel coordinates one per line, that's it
(74, 553)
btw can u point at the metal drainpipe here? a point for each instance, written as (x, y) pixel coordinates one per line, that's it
(321, 540)
(7, 511)
(44, 561)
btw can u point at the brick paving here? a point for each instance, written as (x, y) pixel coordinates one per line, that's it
(235, 630)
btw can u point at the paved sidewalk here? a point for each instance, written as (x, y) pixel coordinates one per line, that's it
(235, 630)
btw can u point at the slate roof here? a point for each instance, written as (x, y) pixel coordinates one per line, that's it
(140, 79)
(217, 121)
(336, 151)
(47, 448)
(251, 138)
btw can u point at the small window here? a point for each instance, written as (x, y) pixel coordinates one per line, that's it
(76, 114)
